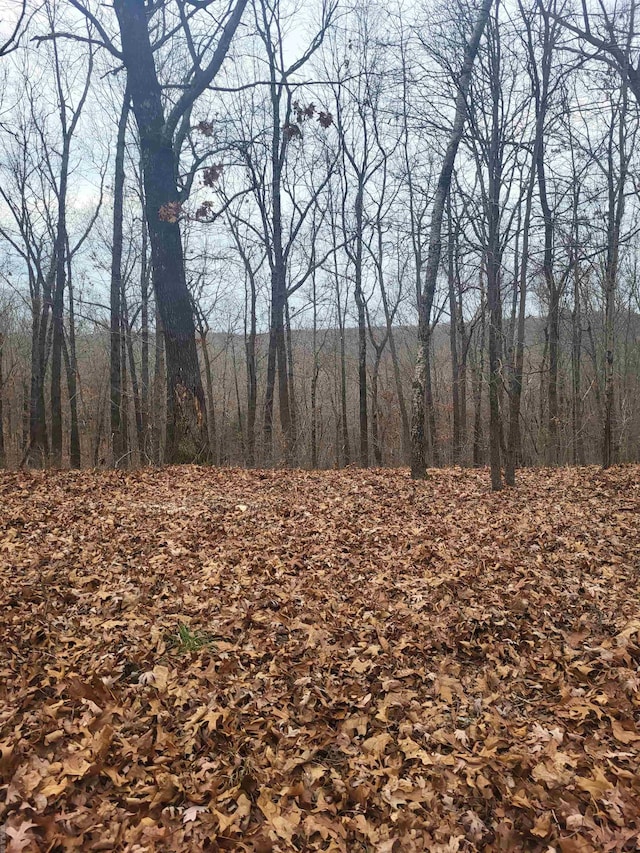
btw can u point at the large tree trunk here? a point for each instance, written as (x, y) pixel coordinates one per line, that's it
(187, 439)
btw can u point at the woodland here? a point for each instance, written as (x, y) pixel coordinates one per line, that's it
(318, 235)
(319, 426)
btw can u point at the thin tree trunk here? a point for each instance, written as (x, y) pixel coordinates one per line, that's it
(375, 413)
(290, 381)
(517, 368)
(145, 280)
(159, 394)
(418, 461)
(74, 444)
(430, 409)
(116, 285)
(211, 415)
(478, 455)
(37, 450)
(344, 423)
(252, 374)
(362, 332)
(75, 450)
(58, 315)
(614, 226)
(135, 387)
(269, 395)
(456, 447)
(99, 427)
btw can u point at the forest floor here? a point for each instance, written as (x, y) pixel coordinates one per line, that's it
(199, 659)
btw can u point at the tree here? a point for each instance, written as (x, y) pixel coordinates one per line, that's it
(161, 132)
(418, 462)
(115, 372)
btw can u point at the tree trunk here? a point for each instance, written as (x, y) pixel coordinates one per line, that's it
(187, 439)
(37, 450)
(75, 459)
(375, 413)
(456, 445)
(252, 374)
(290, 383)
(576, 372)
(418, 463)
(211, 415)
(116, 286)
(58, 312)
(478, 379)
(145, 280)
(159, 394)
(344, 423)
(517, 367)
(430, 408)
(362, 332)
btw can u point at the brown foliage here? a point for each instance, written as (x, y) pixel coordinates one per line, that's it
(170, 212)
(212, 174)
(228, 660)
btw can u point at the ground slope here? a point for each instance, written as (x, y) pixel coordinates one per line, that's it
(201, 659)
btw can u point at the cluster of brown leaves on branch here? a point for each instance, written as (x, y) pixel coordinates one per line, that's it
(170, 212)
(293, 130)
(200, 659)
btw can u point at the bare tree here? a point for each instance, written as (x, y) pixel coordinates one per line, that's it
(161, 134)
(418, 462)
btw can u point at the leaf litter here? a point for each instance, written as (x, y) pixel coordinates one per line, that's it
(211, 659)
